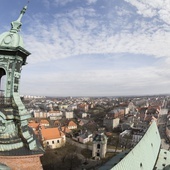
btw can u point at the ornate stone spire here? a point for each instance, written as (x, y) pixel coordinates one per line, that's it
(16, 25)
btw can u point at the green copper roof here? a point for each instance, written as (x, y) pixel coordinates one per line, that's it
(16, 25)
(4, 167)
(163, 160)
(12, 37)
(142, 157)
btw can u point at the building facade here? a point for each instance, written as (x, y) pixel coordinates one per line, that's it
(99, 146)
(52, 138)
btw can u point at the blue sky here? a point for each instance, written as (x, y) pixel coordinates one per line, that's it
(93, 47)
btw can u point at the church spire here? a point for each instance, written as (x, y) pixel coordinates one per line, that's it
(16, 25)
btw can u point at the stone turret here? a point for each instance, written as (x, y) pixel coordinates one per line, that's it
(16, 138)
(99, 146)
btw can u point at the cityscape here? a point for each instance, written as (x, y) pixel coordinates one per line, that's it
(123, 120)
(98, 105)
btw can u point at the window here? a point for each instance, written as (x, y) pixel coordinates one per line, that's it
(47, 143)
(98, 146)
(2, 81)
(58, 141)
(52, 142)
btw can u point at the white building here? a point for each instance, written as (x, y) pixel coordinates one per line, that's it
(69, 115)
(84, 138)
(38, 114)
(63, 106)
(72, 107)
(99, 147)
(52, 138)
(127, 110)
(54, 115)
(72, 125)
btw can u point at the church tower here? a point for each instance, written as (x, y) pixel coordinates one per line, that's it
(99, 147)
(19, 148)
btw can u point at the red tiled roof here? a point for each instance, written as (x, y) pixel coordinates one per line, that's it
(51, 133)
(65, 129)
(32, 121)
(44, 121)
(33, 125)
(71, 123)
(56, 111)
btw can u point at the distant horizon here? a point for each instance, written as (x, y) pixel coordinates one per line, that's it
(101, 96)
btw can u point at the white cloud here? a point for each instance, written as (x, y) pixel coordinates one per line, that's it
(86, 31)
(122, 11)
(153, 8)
(69, 37)
(91, 1)
(62, 2)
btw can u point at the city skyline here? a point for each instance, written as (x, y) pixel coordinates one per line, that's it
(93, 47)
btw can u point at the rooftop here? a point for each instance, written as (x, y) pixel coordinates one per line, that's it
(51, 133)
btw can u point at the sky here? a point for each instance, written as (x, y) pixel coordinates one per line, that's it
(93, 47)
